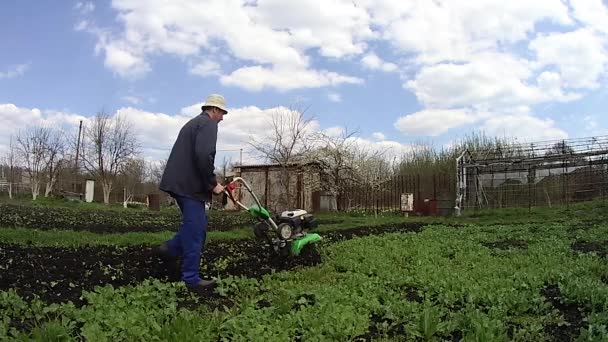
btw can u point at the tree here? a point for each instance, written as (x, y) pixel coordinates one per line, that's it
(10, 162)
(55, 161)
(31, 146)
(156, 169)
(110, 144)
(134, 173)
(560, 148)
(286, 144)
(336, 155)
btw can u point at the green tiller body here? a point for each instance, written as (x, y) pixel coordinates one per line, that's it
(288, 234)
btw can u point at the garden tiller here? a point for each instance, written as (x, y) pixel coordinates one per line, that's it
(289, 234)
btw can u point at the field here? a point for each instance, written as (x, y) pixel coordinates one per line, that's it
(505, 275)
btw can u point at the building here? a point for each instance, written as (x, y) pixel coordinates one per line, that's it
(268, 182)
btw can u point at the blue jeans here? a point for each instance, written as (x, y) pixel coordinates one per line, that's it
(190, 239)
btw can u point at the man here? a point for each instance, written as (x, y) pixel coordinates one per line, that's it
(189, 178)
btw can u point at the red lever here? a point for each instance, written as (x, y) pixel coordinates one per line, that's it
(231, 186)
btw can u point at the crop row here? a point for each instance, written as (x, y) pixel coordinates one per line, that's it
(109, 221)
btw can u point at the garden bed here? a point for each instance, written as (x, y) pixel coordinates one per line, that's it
(110, 221)
(533, 281)
(58, 274)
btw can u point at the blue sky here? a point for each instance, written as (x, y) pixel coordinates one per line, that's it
(398, 72)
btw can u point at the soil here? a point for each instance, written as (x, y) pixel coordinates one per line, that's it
(411, 293)
(60, 274)
(507, 244)
(571, 313)
(306, 299)
(330, 221)
(598, 247)
(373, 332)
(345, 234)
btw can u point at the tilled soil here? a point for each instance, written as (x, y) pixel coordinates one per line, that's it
(60, 274)
(571, 313)
(507, 244)
(598, 247)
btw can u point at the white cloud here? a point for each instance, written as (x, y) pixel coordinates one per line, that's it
(123, 59)
(16, 118)
(591, 12)
(526, 128)
(591, 123)
(274, 42)
(437, 31)
(335, 131)
(82, 25)
(337, 28)
(15, 71)
(373, 62)
(84, 7)
(379, 136)
(241, 124)
(255, 35)
(258, 78)
(579, 55)
(435, 122)
(206, 68)
(132, 99)
(154, 130)
(490, 79)
(550, 85)
(459, 58)
(334, 97)
(390, 149)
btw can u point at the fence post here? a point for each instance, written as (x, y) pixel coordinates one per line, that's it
(418, 184)
(529, 192)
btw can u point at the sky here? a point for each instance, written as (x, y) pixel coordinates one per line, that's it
(397, 72)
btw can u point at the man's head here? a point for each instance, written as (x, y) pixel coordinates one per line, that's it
(215, 106)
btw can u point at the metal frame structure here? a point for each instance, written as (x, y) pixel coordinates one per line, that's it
(532, 174)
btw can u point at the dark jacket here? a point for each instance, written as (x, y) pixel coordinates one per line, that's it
(190, 167)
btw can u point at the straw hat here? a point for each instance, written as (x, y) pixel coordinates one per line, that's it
(216, 100)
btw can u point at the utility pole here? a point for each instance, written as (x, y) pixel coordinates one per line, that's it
(241, 159)
(78, 145)
(76, 170)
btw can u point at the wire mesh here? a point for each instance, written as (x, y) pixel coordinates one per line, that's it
(557, 172)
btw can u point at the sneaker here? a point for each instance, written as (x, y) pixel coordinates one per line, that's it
(202, 288)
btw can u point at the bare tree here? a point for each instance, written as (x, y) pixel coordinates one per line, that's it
(110, 143)
(225, 166)
(134, 173)
(31, 146)
(55, 153)
(10, 161)
(336, 155)
(156, 169)
(347, 162)
(286, 144)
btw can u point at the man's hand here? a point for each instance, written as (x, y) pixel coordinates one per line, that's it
(219, 188)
